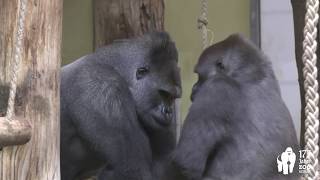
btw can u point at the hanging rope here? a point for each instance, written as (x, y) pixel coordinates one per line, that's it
(203, 23)
(16, 60)
(311, 87)
(15, 130)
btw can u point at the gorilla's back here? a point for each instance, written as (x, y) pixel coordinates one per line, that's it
(267, 120)
(77, 79)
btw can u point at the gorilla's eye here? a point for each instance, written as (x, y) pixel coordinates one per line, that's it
(220, 65)
(141, 72)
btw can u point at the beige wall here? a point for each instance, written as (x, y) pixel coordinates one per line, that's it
(225, 17)
(77, 35)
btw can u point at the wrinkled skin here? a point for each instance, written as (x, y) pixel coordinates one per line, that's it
(117, 110)
(238, 123)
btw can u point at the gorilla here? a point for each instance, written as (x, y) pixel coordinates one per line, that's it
(117, 109)
(237, 124)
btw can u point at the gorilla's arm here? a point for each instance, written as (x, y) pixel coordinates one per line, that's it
(205, 126)
(104, 116)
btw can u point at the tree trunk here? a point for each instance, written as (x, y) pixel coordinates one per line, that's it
(38, 88)
(116, 19)
(299, 10)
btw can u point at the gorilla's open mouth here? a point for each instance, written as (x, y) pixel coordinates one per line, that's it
(163, 114)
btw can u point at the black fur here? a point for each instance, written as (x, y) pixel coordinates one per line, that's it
(238, 123)
(116, 109)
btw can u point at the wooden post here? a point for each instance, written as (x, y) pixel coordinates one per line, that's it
(38, 88)
(116, 19)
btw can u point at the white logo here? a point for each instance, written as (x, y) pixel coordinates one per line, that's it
(286, 161)
(304, 161)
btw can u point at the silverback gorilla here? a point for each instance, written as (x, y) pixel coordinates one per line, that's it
(116, 109)
(238, 123)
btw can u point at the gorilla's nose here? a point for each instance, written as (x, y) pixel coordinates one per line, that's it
(192, 96)
(178, 92)
(170, 93)
(194, 91)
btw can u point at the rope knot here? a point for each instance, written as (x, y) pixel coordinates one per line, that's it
(202, 22)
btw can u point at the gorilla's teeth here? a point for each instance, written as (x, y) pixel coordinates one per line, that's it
(166, 110)
(163, 110)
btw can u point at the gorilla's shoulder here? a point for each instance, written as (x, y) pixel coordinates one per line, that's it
(87, 71)
(223, 84)
(229, 92)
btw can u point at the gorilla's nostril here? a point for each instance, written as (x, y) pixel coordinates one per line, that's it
(178, 92)
(166, 95)
(192, 97)
(194, 91)
(170, 92)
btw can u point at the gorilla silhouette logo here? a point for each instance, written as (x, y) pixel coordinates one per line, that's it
(286, 161)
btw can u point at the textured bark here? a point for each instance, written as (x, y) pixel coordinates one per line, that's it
(299, 10)
(115, 19)
(38, 88)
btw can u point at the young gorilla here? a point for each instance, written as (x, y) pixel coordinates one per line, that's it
(116, 109)
(238, 123)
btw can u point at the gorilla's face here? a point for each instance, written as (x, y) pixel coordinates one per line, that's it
(209, 65)
(155, 85)
(155, 88)
(235, 59)
(149, 65)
